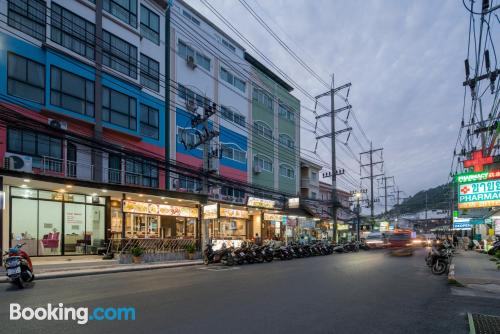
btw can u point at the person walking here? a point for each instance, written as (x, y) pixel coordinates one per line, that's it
(257, 239)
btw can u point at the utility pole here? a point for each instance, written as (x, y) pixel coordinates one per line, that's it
(384, 180)
(371, 177)
(332, 135)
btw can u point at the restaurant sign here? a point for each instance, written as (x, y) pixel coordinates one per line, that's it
(233, 213)
(261, 202)
(210, 211)
(274, 217)
(159, 209)
(479, 194)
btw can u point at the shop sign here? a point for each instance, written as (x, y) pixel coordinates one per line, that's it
(475, 177)
(233, 213)
(384, 226)
(497, 226)
(479, 194)
(261, 202)
(462, 226)
(159, 209)
(273, 216)
(293, 202)
(210, 211)
(307, 224)
(342, 227)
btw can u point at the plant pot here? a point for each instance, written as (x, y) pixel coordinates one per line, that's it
(137, 259)
(190, 256)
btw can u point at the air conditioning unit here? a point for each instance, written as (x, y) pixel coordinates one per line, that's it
(190, 62)
(18, 162)
(57, 124)
(257, 169)
(191, 105)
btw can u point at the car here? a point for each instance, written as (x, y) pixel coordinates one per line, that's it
(376, 240)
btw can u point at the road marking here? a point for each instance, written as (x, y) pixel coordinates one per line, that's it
(218, 268)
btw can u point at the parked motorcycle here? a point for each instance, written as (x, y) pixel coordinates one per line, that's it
(19, 266)
(222, 255)
(439, 257)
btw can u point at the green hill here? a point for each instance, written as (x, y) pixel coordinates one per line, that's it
(437, 198)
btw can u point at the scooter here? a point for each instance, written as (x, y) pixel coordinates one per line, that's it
(19, 266)
(222, 255)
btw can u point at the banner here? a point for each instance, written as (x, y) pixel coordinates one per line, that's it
(479, 194)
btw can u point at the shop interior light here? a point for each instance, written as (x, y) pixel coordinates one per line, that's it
(129, 198)
(163, 198)
(149, 200)
(140, 195)
(69, 186)
(27, 180)
(61, 190)
(24, 186)
(165, 202)
(93, 194)
(104, 190)
(180, 200)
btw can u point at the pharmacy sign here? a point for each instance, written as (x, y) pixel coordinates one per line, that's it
(479, 194)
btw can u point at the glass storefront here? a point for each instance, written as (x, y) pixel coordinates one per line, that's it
(54, 223)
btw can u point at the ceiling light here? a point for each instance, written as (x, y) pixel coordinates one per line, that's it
(104, 190)
(165, 202)
(129, 198)
(69, 186)
(163, 198)
(24, 186)
(149, 200)
(26, 180)
(61, 190)
(140, 195)
(94, 194)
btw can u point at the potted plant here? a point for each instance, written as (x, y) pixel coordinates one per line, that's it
(190, 250)
(137, 254)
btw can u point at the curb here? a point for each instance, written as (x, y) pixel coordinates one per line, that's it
(128, 268)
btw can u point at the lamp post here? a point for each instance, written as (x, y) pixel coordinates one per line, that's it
(358, 209)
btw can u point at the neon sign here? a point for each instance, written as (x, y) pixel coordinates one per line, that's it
(474, 177)
(479, 194)
(478, 161)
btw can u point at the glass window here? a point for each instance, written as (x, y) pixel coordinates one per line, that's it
(94, 228)
(119, 109)
(287, 171)
(264, 163)
(230, 152)
(263, 98)
(24, 213)
(119, 55)
(72, 31)
(124, 10)
(28, 16)
(190, 17)
(149, 121)
(150, 73)
(233, 80)
(141, 172)
(200, 59)
(187, 94)
(25, 78)
(286, 112)
(49, 227)
(232, 116)
(31, 143)
(228, 45)
(287, 141)
(150, 25)
(187, 183)
(72, 92)
(262, 129)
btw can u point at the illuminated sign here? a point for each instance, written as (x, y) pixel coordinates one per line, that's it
(478, 161)
(274, 217)
(293, 202)
(462, 226)
(210, 211)
(233, 213)
(474, 177)
(260, 202)
(159, 209)
(342, 227)
(479, 194)
(497, 226)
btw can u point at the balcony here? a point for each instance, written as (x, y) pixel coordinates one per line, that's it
(69, 169)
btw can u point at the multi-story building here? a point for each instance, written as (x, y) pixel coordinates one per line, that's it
(82, 133)
(309, 179)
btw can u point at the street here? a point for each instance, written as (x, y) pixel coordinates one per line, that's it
(365, 292)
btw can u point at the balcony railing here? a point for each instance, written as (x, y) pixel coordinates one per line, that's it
(70, 169)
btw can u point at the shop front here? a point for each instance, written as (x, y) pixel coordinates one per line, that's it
(227, 224)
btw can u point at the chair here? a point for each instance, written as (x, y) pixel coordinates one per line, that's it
(478, 246)
(51, 241)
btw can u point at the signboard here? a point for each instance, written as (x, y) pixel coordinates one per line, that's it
(462, 226)
(2, 200)
(497, 226)
(260, 202)
(475, 177)
(293, 202)
(384, 226)
(479, 194)
(159, 209)
(210, 211)
(342, 227)
(233, 213)
(273, 216)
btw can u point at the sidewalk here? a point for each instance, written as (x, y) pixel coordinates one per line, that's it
(70, 266)
(475, 270)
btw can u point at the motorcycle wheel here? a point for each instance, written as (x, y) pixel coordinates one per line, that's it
(229, 261)
(206, 261)
(268, 258)
(20, 283)
(439, 268)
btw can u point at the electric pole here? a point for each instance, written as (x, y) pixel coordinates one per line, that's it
(371, 177)
(384, 180)
(332, 135)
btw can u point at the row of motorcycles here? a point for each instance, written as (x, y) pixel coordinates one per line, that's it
(252, 253)
(439, 256)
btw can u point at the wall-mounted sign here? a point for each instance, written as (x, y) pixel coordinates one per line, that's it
(479, 194)
(475, 177)
(497, 226)
(293, 202)
(159, 209)
(273, 216)
(342, 227)
(462, 226)
(261, 202)
(210, 211)
(384, 226)
(233, 213)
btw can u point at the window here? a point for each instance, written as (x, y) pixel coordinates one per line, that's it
(313, 195)
(264, 163)
(72, 92)
(314, 176)
(263, 98)
(188, 137)
(233, 80)
(232, 116)
(124, 10)
(228, 45)
(118, 108)
(28, 16)
(25, 78)
(237, 194)
(287, 141)
(150, 73)
(188, 183)
(33, 143)
(286, 112)
(262, 129)
(119, 55)
(229, 151)
(150, 25)
(72, 31)
(187, 94)
(287, 171)
(141, 173)
(191, 17)
(200, 59)
(149, 121)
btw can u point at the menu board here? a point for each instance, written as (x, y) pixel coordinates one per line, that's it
(233, 213)
(273, 216)
(210, 211)
(159, 209)
(260, 202)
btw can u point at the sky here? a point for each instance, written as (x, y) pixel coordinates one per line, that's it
(403, 58)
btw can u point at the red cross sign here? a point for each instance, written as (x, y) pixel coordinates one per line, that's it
(478, 161)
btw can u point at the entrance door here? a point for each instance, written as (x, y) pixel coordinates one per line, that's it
(71, 160)
(76, 240)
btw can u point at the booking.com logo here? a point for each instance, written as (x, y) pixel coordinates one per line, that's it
(81, 315)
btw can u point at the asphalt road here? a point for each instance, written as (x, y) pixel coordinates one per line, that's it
(366, 292)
